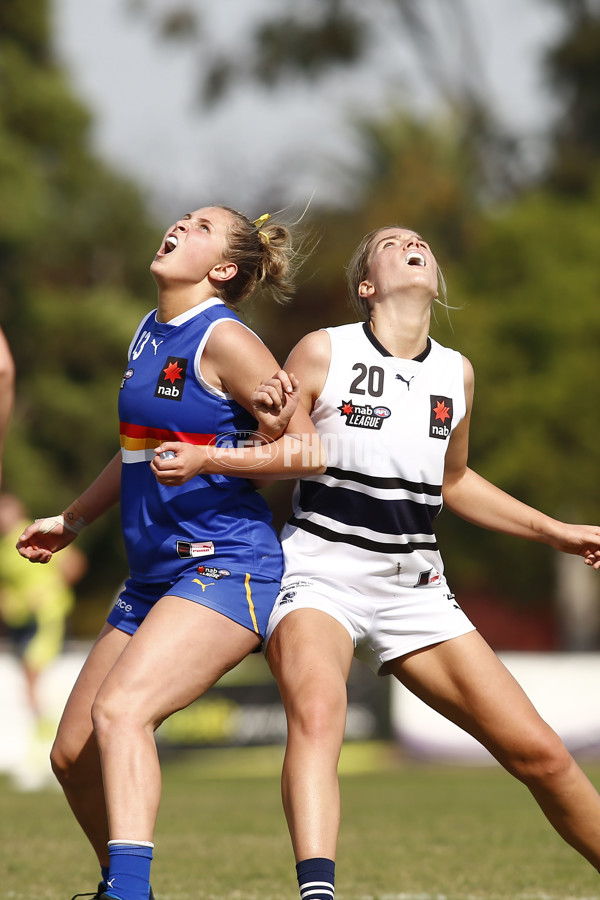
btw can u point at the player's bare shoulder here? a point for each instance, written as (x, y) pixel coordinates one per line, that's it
(469, 381)
(309, 361)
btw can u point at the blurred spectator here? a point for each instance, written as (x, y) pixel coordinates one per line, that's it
(7, 391)
(34, 604)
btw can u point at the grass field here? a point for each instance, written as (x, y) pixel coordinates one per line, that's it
(409, 832)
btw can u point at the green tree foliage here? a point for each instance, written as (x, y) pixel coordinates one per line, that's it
(318, 37)
(301, 45)
(532, 327)
(529, 321)
(573, 65)
(76, 241)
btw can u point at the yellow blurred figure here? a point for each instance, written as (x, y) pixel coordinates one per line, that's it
(34, 604)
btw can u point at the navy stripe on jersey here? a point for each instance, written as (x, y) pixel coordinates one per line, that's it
(354, 508)
(378, 481)
(328, 534)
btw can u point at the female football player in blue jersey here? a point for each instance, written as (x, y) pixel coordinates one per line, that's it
(205, 563)
(362, 571)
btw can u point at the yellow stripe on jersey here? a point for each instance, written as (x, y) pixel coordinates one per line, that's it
(250, 603)
(129, 443)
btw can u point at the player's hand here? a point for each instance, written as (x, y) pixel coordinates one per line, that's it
(274, 402)
(176, 462)
(581, 540)
(43, 538)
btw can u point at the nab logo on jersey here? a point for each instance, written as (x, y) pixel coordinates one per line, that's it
(171, 379)
(440, 420)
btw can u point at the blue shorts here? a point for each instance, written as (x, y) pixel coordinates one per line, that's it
(242, 597)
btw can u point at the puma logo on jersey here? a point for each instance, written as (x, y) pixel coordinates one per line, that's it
(406, 381)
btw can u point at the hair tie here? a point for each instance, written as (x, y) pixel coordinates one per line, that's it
(262, 235)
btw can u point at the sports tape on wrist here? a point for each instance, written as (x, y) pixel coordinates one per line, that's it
(74, 525)
(46, 525)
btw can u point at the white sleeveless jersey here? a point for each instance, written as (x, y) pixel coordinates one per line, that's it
(385, 425)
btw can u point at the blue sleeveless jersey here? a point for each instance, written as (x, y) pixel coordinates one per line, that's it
(212, 518)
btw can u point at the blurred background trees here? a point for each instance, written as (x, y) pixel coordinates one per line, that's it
(75, 245)
(517, 243)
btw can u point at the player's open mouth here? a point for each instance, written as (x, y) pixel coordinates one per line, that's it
(414, 258)
(170, 244)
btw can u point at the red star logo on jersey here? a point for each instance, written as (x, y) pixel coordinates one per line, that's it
(172, 372)
(441, 411)
(346, 408)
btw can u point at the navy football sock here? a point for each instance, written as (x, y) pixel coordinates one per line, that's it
(316, 878)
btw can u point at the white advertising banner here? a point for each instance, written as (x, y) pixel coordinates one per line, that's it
(562, 686)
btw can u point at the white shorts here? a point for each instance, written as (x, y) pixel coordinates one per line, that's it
(381, 627)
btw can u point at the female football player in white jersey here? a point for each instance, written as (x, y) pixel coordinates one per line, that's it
(205, 563)
(362, 571)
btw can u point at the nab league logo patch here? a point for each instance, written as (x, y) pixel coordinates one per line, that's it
(364, 416)
(126, 376)
(171, 379)
(213, 572)
(440, 420)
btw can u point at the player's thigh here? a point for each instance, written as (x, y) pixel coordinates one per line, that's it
(179, 651)
(310, 653)
(465, 681)
(75, 728)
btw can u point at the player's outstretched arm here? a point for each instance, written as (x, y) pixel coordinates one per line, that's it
(477, 500)
(48, 535)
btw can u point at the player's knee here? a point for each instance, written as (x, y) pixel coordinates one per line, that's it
(108, 714)
(66, 761)
(317, 715)
(61, 763)
(544, 763)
